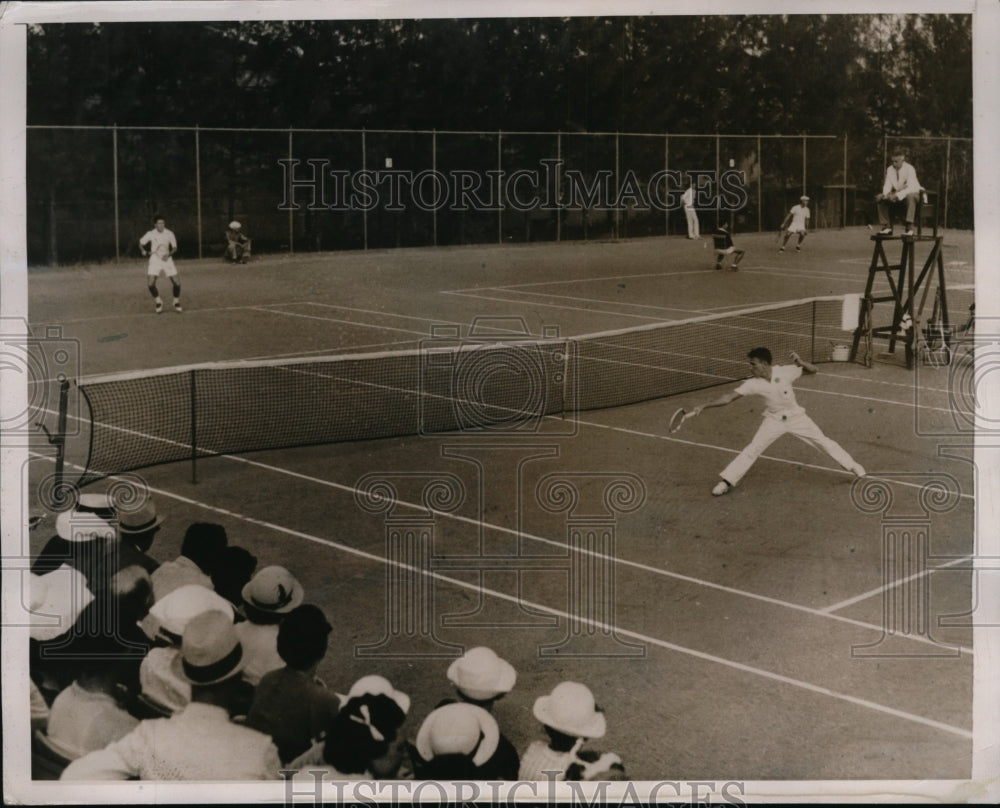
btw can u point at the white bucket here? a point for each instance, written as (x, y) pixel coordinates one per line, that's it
(840, 353)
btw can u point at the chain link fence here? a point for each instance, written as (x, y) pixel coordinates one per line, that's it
(313, 190)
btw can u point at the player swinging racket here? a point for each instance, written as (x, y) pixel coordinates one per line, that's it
(162, 246)
(782, 414)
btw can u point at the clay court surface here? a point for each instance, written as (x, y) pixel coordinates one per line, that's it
(755, 635)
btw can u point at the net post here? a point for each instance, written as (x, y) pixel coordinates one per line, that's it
(59, 441)
(812, 334)
(194, 428)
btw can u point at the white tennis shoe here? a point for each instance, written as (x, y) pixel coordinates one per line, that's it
(722, 487)
(159, 305)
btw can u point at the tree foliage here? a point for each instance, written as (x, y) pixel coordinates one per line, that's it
(877, 74)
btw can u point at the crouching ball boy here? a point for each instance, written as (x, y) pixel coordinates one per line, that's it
(722, 240)
(162, 246)
(782, 415)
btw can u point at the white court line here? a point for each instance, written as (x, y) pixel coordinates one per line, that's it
(337, 320)
(553, 306)
(875, 400)
(335, 351)
(591, 300)
(597, 279)
(886, 587)
(621, 632)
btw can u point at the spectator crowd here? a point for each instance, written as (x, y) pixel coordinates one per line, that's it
(204, 667)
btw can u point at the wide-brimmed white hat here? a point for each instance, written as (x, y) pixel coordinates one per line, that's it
(375, 685)
(171, 614)
(210, 651)
(234, 225)
(570, 708)
(55, 600)
(273, 589)
(458, 729)
(480, 674)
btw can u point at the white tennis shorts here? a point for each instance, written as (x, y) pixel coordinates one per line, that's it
(158, 265)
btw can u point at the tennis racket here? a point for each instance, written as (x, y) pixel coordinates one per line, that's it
(679, 418)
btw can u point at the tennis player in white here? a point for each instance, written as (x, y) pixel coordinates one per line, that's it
(162, 246)
(782, 414)
(796, 222)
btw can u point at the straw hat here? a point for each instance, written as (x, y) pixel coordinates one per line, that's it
(273, 589)
(480, 674)
(375, 685)
(90, 518)
(140, 521)
(210, 651)
(458, 729)
(570, 709)
(235, 225)
(172, 613)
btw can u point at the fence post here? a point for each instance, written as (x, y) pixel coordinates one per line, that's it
(194, 429)
(947, 176)
(499, 175)
(114, 158)
(364, 167)
(843, 210)
(718, 196)
(618, 160)
(558, 186)
(434, 165)
(666, 183)
(197, 183)
(291, 213)
(760, 187)
(805, 140)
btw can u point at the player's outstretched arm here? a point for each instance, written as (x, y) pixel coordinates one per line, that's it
(808, 367)
(721, 401)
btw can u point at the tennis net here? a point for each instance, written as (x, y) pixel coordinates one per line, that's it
(478, 385)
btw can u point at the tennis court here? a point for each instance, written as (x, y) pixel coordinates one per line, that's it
(789, 630)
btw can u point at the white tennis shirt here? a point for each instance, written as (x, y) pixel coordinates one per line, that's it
(777, 392)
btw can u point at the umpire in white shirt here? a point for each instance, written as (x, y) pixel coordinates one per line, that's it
(899, 191)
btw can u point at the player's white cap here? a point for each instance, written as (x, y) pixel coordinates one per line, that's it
(803, 198)
(235, 225)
